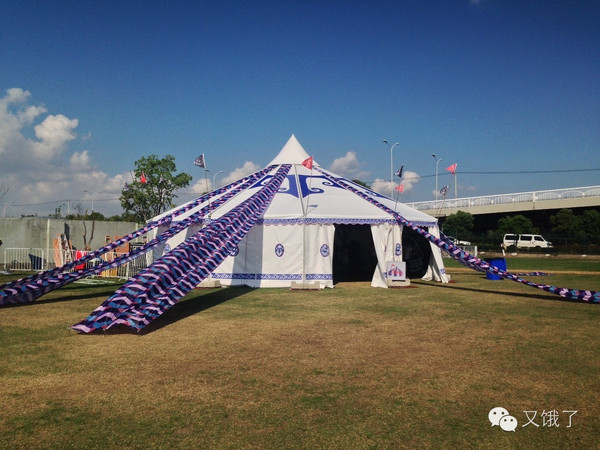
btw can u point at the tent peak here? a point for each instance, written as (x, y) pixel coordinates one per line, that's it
(291, 153)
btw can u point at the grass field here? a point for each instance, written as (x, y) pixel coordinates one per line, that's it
(350, 367)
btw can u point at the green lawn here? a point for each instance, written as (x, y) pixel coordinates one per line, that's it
(350, 367)
(541, 263)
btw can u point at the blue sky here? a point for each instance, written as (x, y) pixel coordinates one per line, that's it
(87, 88)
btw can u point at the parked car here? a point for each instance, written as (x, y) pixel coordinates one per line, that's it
(526, 241)
(458, 241)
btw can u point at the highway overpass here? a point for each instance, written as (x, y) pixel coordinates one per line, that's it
(580, 197)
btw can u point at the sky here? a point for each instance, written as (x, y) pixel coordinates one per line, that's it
(509, 91)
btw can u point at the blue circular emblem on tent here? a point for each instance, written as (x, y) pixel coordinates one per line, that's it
(234, 251)
(398, 249)
(279, 250)
(324, 250)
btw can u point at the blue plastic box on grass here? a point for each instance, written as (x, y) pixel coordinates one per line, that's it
(500, 263)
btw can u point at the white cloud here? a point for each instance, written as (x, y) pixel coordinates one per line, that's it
(382, 186)
(54, 133)
(36, 165)
(201, 186)
(409, 179)
(248, 168)
(16, 95)
(348, 166)
(80, 161)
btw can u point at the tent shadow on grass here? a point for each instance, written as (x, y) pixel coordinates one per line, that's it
(496, 292)
(65, 295)
(182, 310)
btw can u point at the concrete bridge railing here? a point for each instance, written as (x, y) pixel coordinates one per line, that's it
(580, 196)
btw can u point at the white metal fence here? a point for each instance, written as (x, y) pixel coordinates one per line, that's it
(502, 199)
(471, 249)
(39, 260)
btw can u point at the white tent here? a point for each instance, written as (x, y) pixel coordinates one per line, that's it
(313, 232)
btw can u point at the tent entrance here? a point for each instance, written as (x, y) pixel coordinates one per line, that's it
(417, 253)
(354, 257)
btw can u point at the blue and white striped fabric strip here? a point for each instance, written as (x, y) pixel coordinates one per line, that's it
(154, 290)
(468, 259)
(30, 288)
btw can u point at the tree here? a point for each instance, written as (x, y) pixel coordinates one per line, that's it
(145, 198)
(590, 223)
(518, 224)
(459, 224)
(362, 183)
(566, 223)
(582, 229)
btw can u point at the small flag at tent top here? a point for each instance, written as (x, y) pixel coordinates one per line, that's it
(444, 190)
(400, 188)
(452, 169)
(143, 179)
(308, 163)
(199, 161)
(399, 171)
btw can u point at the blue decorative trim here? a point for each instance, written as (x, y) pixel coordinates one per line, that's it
(330, 221)
(279, 276)
(271, 276)
(309, 185)
(319, 276)
(335, 221)
(234, 276)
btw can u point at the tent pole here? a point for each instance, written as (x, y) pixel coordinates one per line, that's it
(299, 187)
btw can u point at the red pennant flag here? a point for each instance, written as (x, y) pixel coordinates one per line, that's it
(143, 178)
(400, 188)
(308, 163)
(452, 168)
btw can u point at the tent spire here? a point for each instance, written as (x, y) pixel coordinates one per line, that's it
(291, 153)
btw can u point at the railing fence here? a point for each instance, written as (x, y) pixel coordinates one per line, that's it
(39, 260)
(503, 199)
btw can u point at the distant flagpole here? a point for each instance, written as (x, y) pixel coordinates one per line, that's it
(452, 170)
(308, 163)
(400, 187)
(200, 161)
(443, 191)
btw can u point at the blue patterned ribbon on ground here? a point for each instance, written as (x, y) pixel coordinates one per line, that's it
(30, 288)
(151, 292)
(466, 258)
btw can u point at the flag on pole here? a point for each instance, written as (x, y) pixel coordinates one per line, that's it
(400, 188)
(452, 168)
(444, 190)
(143, 179)
(199, 161)
(308, 163)
(399, 172)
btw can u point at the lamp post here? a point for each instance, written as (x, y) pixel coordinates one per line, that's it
(437, 161)
(4, 208)
(215, 178)
(391, 166)
(93, 195)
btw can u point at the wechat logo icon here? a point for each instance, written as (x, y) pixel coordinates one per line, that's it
(500, 417)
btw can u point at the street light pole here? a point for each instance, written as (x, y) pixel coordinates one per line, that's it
(391, 166)
(93, 195)
(215, 178)
(437, 161)
(4, 208)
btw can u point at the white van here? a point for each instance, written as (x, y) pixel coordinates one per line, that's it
(526, 241)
